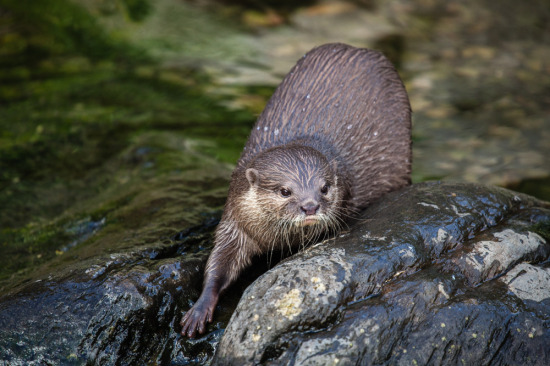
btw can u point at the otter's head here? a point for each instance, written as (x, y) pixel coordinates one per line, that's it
(294, 187)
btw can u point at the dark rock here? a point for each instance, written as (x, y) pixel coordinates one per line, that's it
(438, 274)
(433, 274)
(108, 311)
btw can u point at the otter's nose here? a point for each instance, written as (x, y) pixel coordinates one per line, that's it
(310, 208)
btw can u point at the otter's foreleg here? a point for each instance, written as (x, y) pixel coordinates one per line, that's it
(232, 252)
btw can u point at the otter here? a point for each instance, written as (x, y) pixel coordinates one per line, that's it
(334, 137)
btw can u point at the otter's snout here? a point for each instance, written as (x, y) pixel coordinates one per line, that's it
(310, 208)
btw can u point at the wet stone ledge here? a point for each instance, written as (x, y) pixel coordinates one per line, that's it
(438, 273)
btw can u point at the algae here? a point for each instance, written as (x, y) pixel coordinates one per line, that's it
(98, 138)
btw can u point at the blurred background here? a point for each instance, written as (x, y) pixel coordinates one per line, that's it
(121, 120)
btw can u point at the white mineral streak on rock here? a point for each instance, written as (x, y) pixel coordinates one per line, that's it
(458, 213)
(407, 252)
(442, 237)
(510, 247)
(428, 205)
(528, 282)
(367, 235)
(442, 291)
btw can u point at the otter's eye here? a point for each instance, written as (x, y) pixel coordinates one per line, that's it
(285, 192)
(325, 188)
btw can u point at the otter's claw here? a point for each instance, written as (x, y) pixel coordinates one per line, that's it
(195, 319)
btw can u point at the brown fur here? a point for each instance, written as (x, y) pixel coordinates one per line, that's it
(336, 135)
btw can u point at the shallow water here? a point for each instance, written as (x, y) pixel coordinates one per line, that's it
(119, 126)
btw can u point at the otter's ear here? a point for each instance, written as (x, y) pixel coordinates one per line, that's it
(253, 177)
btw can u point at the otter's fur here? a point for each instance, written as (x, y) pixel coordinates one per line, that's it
(334, 137)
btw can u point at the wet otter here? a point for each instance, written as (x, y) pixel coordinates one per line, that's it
(334, 136)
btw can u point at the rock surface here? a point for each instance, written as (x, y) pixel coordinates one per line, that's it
(438, 273)
(441, 274)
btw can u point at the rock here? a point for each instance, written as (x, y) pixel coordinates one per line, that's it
(117, 309)
(437, 273)
(434, 274)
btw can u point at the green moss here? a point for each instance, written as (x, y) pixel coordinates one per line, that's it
(28, 247)
(543, 229)
(138, 10)
(92, 131)
(43, 29)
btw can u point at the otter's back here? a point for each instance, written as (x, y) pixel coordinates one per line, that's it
(353, 100)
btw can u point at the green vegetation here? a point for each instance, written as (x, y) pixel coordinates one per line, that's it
(89, 121)
(543, 229)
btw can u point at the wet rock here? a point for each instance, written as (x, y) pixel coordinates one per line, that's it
(529, 282)
(109, 310)
(434, 274)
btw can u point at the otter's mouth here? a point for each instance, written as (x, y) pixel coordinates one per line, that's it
(309, 220)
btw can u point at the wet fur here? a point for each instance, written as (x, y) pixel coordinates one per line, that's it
(341, 116)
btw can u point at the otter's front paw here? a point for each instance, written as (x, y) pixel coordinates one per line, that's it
(195, 319)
